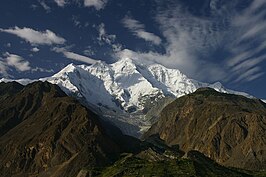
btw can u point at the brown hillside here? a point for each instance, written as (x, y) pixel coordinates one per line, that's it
(228, 128)
(44, 132)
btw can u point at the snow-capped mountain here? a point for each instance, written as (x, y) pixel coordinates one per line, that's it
(125, 87)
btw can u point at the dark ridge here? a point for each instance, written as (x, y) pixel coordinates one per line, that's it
(9, 89)
(45, 132)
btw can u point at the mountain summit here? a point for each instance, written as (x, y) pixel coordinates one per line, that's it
(126, 86)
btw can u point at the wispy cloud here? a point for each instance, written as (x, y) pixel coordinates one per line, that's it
(16, 61)
(89, 51)
(103, 36)
(222, 43)
(186, 37)
(3, 69)
(74, 56)
(12, 61)
(34, 37)
(138, 30)
(45, 6)
(60, 3)
(97, 4)
(39, 69)
(76, 22)
(250, 44)
(248, 75)
(8, 44)
(109, 39)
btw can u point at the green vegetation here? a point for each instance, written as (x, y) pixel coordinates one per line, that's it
(131, 165)
(134, 166)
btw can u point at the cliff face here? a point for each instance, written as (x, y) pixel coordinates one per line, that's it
(228, 128)
(45, 132)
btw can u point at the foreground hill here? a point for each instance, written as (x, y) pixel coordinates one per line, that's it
(164, 161)
(44, 132)
(228, 128)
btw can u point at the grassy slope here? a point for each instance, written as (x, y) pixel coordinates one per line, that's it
(132, 166)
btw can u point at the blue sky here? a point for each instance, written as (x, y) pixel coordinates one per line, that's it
(208, 40)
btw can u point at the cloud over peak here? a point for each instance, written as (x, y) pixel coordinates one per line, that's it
(34, 37)
(74, 56)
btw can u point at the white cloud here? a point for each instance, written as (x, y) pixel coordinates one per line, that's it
(97, 4)
(35, 49)
(74, 56)
(17, 62)
(3, 69)
(34, 37)
(60, 3)
(138, 30)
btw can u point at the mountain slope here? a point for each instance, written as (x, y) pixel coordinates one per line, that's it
(47, 133)
(123, 92)
(44, 132)
(228, 128)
